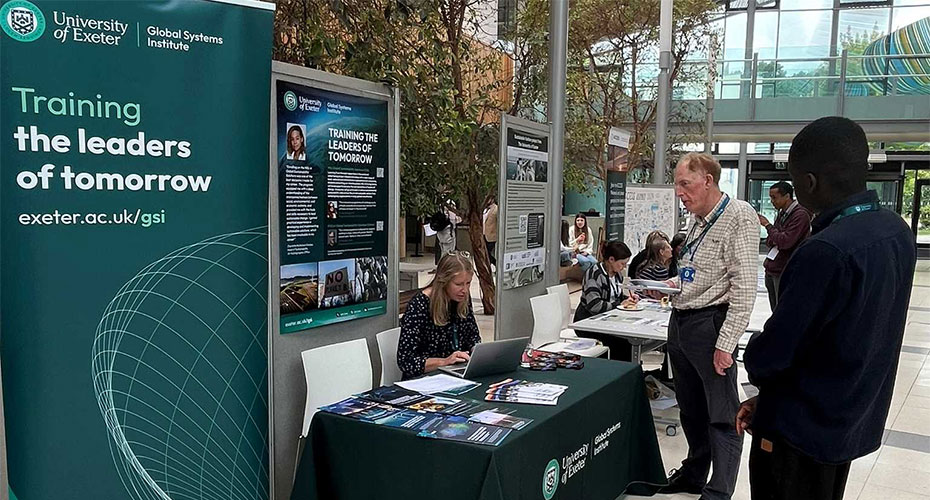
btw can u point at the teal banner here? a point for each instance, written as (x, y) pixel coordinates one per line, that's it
(133, 244)
(333, 205)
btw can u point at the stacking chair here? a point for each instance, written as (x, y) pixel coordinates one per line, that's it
(333, 373)
(387, 345)
(547, 324)
(565, 305)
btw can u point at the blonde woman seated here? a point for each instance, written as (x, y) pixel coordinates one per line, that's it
(439, 328)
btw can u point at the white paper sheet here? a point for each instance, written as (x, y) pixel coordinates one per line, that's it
(436, 383)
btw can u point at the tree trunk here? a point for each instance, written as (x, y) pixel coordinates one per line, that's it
(482, 260)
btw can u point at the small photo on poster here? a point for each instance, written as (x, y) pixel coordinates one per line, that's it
(521, 169)
(332, 238)
(332, 209)
(296, 142)
(299, 288)
(336, 277)
(370, 279)
(540, 171)
(535, 230)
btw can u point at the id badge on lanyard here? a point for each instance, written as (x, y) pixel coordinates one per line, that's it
(686, 274)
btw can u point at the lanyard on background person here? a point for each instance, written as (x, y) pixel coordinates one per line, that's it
(455, 336)
(856, 209)
(692, 246)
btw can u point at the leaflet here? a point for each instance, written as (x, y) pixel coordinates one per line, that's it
(393, 395)
(460, 429)
(349, 406)
(500, 420)
(404, 419)
(436, 383)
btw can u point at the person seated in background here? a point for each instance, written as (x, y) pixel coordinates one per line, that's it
(602, 290)
(641, 257)
(677, 241)
(439, 327)
(659, 264)
(565, 250)
(582, 242)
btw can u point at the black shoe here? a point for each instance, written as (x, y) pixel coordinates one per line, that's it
(678, 484)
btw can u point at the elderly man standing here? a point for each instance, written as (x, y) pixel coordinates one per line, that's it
(718, 280)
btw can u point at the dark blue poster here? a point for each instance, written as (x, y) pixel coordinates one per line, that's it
(333, 206)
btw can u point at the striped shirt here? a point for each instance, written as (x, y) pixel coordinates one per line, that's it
(655, 272)
(725, 267)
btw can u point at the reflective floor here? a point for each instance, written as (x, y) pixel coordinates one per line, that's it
(899, 470)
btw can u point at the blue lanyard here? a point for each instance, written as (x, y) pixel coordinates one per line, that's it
(693, 245)
(856, 209)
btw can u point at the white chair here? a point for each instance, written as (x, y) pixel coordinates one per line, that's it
(565, 304)
(387, 345)
(547, 322)
(333, 373)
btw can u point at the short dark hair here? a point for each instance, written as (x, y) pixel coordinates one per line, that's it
(834, 146)
(616, 249)
(783, 187)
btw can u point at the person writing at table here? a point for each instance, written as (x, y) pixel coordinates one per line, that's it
(439, 328)
(602, 290)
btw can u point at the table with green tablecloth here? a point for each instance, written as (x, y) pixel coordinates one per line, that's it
(592, 445)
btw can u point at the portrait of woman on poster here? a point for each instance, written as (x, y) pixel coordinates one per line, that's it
(296, 144)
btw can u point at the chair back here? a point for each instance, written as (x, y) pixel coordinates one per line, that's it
(565, 303)
(547, 319)
(387, 345)
(334, 372)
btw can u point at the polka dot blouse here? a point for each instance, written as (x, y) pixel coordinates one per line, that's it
(420, 338)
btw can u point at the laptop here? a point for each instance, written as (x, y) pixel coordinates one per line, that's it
(488, 358)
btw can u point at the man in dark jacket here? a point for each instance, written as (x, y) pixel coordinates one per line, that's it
(792, 226)
(826, 361)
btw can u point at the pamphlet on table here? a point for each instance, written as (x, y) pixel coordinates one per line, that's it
(438, 383)
(456, 428)
(523, 391)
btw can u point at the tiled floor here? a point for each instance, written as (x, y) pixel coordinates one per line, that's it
(899, 470)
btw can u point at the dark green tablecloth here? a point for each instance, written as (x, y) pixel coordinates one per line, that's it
(346, 459)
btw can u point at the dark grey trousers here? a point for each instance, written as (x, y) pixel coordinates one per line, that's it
(771, 284)
(707, 401)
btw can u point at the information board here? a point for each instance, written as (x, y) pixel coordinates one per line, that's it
(333, 206)
(649, 208)
(527, 203)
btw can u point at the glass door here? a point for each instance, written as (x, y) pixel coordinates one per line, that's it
(920, 212)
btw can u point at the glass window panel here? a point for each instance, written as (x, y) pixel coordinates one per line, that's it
(734, 38)
(765, 34)
(912, 2)
(904, 16)
(806, 4)
(805, 34)
(860, 27)
(729, 182)
(728, 148)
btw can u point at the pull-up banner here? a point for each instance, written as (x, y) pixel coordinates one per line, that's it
(133, 244)
(618, 148)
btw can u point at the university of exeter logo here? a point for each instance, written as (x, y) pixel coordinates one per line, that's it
(551, 479)
(290, 100)
(22, 20)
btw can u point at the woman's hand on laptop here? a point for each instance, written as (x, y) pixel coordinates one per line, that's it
(456, 357)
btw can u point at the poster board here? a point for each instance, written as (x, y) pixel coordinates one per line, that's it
(333, 160)
(344, 268)
(524, 204)
(649, 207)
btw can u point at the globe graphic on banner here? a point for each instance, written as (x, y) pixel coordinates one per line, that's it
(180, 373)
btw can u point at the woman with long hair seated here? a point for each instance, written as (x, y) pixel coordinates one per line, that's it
(439, 327)
(602, 290)
(660, 263)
